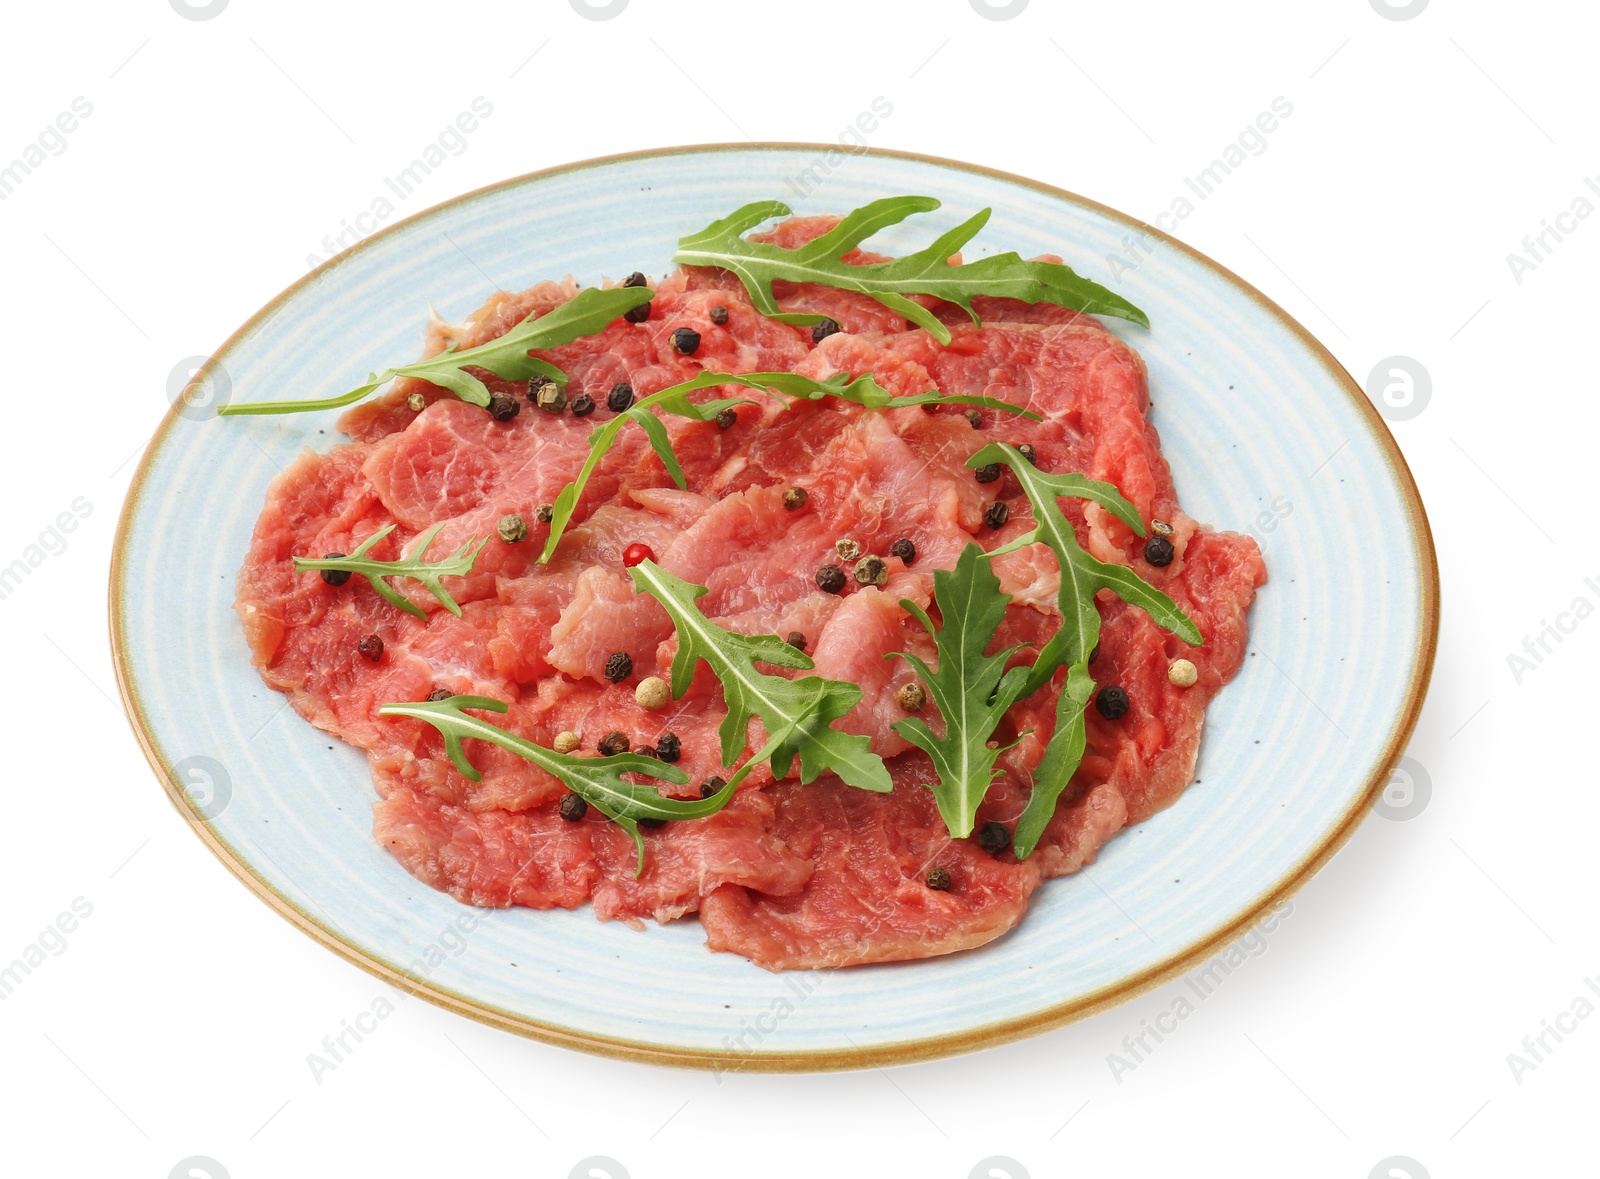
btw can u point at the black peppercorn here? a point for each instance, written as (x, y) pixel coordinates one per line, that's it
(795, 498)
(711, 786)
(503, 407)
(929, 407)
(904, 549)
(830, 579)
(652, 823)
(1026, 451)
(637, 314)
(994, 838)
(582, 405)
(619, 666)
(612, 744)
(796, 640)
(1158, 551)
(938, 879)
(440, 694)
(1111, 702)
(719, 315)
(573, 808)
(996, 514)
(823, 330)
(988, 473)
(544, 513)
(621, 397)
(1095, 654)
(334, 576)
(685, 341)
(668, 747)
(636, 279)
(974, 419)
(726, 418)
(371, 648)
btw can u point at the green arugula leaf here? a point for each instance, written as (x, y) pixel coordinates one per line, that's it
(412, 565)
(926, 272)
(587, 312)
(798, 713)
(972, 690)
(597, 780)
(862, 390)
(1082, 576)
(1062, 756)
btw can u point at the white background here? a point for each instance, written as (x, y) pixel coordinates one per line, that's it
(1420, 152)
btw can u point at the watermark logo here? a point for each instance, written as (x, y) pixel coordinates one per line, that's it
(206, 783)
(50, 142)
(199, 12)
(990, 11)
(1538, 247)
(1398, 1166)
(598, 11)
(1399, 387)
(1542, 644)
(1552, 1033)
(197, 1166)
(201, 384)
(1398, 12)
(1407, 793)
(51, 542)
(852, 139)
(998, 1166)
(597, 1166)
(51, 943)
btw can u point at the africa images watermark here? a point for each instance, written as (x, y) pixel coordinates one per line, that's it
(1553, 1032)
(52, 141)
(1201, 983)
(1538, 247)
(852, 138)
(51, 542)
(1544, 642)
(51, 943)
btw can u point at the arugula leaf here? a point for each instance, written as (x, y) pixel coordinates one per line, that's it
(1082, 576)
(587, 312)
(1061, 760)
(862, 390)
(412, 565)
(926, 272)
(972, 690)
(798, 713)
(597, 780)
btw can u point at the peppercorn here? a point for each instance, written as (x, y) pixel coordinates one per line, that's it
(416, 402)
(685, 341)
(1158, 551)
(334, 576)
(848, 550)
(668, 747)
(796, 640)
(1161, 528)
(872, 571)
(549, 397)
(652, 694)
(636, 279)
(636, 553)
(619, 666)
(795, 498)
(503, 407)
(572, 808)
(637, 314)
(830, 579)
(1111, 702)
(1182, 674)
(904, 549)
(440, 694)
(651, 823)
(726, 418)
(719, 315)
(974, 419)
(544, 513)
(1095, 654)
(911, 696)
(711, 785)
(994, 838)
(612, 744)
(566, 741)
(645, 750)
(371, 648)
(620, 397)
(1025, 449)
(929, 407)
(937, 879)
(996, 514)
(988, 473)
(513, 529)
(823, 330)
(582, 405)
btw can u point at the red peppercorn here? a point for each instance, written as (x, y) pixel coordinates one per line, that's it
(635, 553)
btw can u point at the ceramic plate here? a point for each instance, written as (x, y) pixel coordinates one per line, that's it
(1264, 431)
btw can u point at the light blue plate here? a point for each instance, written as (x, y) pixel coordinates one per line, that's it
(1250, 409)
